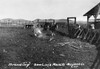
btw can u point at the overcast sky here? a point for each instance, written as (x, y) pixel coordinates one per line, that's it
(32, 9)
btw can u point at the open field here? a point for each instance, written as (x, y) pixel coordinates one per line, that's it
(18, 45)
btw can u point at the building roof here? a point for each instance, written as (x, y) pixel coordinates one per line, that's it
(94, 11)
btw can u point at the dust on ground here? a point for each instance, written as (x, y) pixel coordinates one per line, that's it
(18, 45)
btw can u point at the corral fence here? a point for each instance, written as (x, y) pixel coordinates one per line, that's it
(86, 34)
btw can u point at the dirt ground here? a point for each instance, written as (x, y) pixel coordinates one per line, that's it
(20, 46)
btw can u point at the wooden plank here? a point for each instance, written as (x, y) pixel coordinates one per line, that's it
(93, 38)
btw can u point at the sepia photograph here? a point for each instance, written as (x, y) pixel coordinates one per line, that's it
(50, 34)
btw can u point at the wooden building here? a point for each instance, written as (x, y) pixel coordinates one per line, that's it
(95, 12)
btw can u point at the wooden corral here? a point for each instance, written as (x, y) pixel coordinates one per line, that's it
(82, 33)
(91, 36)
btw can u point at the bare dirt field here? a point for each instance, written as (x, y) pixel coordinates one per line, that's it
(19, 46)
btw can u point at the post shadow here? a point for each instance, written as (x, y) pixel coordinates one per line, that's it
(96, 62)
